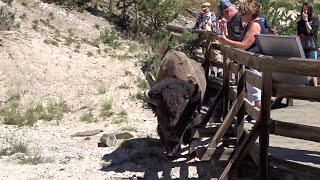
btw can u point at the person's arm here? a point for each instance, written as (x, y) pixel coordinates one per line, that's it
(308, 26)
(314, 25)
(247, 41)
(306, 23)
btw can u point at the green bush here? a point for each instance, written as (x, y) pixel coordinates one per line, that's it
(109, 37)
(156, 14)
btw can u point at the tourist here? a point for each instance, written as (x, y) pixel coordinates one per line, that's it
(249, 11)
(307, 29)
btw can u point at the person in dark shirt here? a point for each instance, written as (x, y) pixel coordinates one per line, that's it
(264, 18)
(229, 12)
(250, 14)
(307, 30)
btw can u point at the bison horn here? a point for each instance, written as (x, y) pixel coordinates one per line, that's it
(149, 99)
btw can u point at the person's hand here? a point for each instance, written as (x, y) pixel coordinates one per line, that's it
(222, 38)
(305, 16)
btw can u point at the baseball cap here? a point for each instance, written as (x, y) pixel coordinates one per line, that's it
(223, 4)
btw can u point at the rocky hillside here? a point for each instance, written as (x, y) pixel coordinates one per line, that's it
(63, 72)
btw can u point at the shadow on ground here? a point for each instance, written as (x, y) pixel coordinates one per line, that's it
(147, 156)
(296, 155)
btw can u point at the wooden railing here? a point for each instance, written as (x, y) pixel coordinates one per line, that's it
(235, 105)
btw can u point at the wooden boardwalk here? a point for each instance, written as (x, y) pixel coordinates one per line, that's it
(296, 150)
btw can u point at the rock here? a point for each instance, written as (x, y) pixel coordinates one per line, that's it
(87, 133)
(109, 140)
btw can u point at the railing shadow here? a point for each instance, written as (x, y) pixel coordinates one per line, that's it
(147, 156)
(296, 154)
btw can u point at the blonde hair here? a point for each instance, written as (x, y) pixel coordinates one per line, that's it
(206, 4)
(250, 7)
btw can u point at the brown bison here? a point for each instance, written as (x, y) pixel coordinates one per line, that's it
(178, 92)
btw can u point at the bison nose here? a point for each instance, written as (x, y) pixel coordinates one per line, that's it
(150, 100)
(174, 138)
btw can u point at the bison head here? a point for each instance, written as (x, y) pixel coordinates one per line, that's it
(173, 101)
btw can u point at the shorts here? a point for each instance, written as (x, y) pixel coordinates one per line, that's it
(254, 94)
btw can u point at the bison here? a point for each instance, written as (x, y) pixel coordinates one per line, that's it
(177, 94)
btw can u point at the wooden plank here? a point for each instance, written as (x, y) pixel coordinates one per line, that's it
(233, 67)
(253, 111)
(241, 87)
(265, 124)
(229, 141)
(207, 132)
(297, 91)
(200, 59)
(175, 28)
(242, 150)
(223, 128)
(297, 66)
(289, 102)
(233, 92)
(218, 154)
(293, 130)
(174, 35)
(254, 151)
(225, 85)
(253, 79)
(217, 64)
(212, 107)
(243, 57)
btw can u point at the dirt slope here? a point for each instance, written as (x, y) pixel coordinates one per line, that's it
(45, 73)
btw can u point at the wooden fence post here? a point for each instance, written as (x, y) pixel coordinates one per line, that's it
(241, 84)
(265, 124)
(225, 84)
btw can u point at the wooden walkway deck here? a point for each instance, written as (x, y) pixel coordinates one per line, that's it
(296, 150)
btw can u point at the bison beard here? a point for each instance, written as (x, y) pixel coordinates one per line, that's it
(177, 102)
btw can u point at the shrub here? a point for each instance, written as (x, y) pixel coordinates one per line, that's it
(23, 16)
(52, 42)
(140, 96)
(156, 14)
(6, 19)
(133, 47)
(97, 26)
(35, 25)
(24, 3)
(51, 16)
(35, 159)
(89, 117)
(142, 84)
(106, 110)
(109, 37)
(123, 57)
(18, 25)
(89, 53)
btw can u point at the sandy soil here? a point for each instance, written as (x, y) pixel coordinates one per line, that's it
(45, 73)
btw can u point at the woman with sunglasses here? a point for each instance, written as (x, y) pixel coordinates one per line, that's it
(250, 11)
